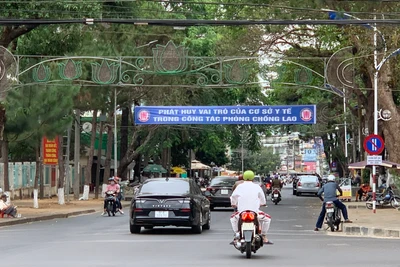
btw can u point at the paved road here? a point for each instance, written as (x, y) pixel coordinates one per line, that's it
(102, 241)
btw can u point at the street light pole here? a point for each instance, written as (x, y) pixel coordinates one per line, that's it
(375, 113)
(115, 134)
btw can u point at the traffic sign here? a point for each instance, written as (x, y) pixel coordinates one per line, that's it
(374, 144)
(374, 160)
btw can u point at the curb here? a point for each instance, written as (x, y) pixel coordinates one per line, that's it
(370, 231)
(46, 217)
(356, 206)
(51, 217)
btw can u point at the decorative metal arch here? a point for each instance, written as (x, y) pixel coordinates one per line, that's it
(167, 63)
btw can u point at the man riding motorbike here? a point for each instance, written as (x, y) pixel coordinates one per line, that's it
(238, 182)
(277, 184)
(249, 196)
(112, 186)
(329, 190)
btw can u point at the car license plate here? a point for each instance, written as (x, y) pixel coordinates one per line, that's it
(161, 214)
(224, 192)
(247, 226)
(329, 210)
(276, 195)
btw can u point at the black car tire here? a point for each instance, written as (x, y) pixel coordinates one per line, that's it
(208, 224)
(198, 229)
(135, 229)
(212, 207)
(298, 194)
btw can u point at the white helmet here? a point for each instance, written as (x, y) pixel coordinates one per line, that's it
(331, 177)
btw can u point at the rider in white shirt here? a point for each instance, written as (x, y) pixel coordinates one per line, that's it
(250, 196)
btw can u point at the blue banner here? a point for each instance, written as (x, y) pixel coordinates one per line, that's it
(310, 155)
(299, 114)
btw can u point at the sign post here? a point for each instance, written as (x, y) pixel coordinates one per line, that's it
(374, 145)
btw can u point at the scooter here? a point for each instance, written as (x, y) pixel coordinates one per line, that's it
(110, 203)
(276, 196)
(384, 199)
(268, 187)
(333, 216)
(250, 235)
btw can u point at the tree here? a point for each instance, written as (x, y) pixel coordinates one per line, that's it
(34, 112)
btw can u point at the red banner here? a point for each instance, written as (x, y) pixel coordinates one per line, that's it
(50, 151)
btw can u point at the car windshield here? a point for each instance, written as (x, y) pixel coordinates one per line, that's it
(257, 179)
(223, 181)
(163, 187)
(308, 178)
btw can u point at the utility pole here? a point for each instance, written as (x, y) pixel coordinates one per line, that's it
(77, 154)
(99, 149)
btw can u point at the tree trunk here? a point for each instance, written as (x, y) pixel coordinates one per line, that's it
(4, 156)
(385, 101)
(132, 153)
(88, 170)
(37, 175)
(107, 164)
(61, 172)
(124, 132)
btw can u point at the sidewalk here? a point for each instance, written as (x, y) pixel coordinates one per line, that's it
(50, 209)
(384, 223)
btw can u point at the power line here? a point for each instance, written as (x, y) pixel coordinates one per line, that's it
(194, 22)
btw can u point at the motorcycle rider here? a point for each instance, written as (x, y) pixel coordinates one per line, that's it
(277, 184)
(329, 190)
(238, 182)
(249, 196)
(112, 186)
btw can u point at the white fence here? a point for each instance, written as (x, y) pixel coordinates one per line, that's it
(21, 176)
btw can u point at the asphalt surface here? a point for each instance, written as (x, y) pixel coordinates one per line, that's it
(93, 240)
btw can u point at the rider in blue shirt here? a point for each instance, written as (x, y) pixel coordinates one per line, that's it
(329, 190)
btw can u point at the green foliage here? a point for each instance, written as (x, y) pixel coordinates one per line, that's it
(33, 112)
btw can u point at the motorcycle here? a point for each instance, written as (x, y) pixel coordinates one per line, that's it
(268, 187)
(276, 196)
(110, 203)
(333, 215)
(384, 199)
(250, 235)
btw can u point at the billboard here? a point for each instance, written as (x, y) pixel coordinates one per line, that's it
(50, 151)
(294, 114)
(310, 155)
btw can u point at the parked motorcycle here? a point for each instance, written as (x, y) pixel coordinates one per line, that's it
(110, 203)
(276, 196)
(250, 236)
(333, 216)
(384, 199)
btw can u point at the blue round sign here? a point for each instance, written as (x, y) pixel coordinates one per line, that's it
(374, 144)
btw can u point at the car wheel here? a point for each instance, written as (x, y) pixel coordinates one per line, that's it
(212, 207)
(298, 194)
(207, 225)
(135, 229)
(198, 229)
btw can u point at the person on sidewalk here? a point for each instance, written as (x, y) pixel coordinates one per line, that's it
(112, 186)
(329, 189)
(7, 209)
(249, 196)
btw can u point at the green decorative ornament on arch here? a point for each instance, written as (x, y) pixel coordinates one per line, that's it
(104, 73)
(70, 70)
(41, 73)
(170, 59)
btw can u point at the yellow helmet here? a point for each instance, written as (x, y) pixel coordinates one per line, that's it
(248, 175)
